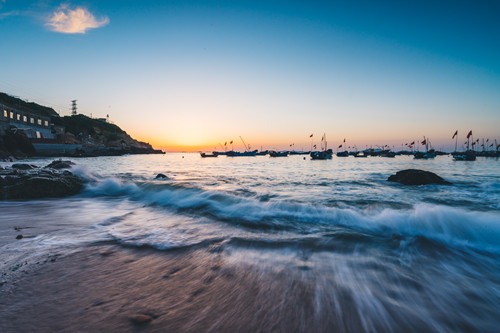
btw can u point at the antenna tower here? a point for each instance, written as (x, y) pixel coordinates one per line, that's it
(73, 107)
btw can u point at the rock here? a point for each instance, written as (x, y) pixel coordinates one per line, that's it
(140, 319)
(60, 164)
(22, 166)
(417, 177)
(41, 183)
(161, 176)
(19, 237)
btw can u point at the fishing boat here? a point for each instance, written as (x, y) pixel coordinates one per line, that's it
(262, 152)
(362, 154)
(388, 153)
(233, 153)
(273, 153)
(343, 154)
(469, 154)
(465, 156)
(324, 153)
(214, 154)
(428, 153)
(247, 151)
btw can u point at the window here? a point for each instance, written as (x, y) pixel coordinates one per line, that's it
(46, 123)
(25, 119)
(18, 117)
(39, 121)
(11, 115)
(38, 135)
(32, 120)
(5, 113)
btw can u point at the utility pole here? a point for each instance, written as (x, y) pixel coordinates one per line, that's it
(73, 107)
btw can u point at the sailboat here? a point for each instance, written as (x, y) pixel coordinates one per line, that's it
(344, 153)
(324, 153)
(428, 153)
(469, 154)
(247, 151)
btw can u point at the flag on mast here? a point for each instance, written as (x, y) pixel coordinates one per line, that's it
(468, 135)
(454, 135)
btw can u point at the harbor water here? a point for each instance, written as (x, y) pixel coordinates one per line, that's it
(374, 255)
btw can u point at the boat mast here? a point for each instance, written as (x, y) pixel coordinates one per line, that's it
(247, 148)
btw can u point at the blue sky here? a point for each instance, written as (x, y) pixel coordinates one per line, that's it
(194, 73)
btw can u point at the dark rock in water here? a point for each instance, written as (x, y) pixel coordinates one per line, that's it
(19, 237)
(140, 319)
(22, 166)
(59, 164)
(40, 183)
(417, 177)
(161, 176)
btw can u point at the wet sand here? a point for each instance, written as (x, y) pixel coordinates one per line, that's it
(115, 289)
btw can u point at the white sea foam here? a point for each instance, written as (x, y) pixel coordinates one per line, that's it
(448, 225)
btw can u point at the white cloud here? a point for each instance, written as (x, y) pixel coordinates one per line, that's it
(77, 21)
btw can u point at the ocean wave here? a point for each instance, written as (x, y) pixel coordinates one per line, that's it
(447, 225)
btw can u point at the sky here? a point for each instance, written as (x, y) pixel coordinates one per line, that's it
(189, 75)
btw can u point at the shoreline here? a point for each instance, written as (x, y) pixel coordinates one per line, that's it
(115, 289)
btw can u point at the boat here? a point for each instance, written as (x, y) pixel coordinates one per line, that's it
(233, 153)
(324, 153)
(388, 153)
(468, 155)
(298, 152)
(343, 154)
(428, 153)
(214, 154)
(247, 151)
(273, 153)
(361, 154)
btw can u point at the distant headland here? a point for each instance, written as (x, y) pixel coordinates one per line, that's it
(28, 129)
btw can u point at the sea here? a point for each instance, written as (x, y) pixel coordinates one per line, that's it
(389, 256)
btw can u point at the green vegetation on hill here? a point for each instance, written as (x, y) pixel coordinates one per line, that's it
(83, 124)
(19, 104)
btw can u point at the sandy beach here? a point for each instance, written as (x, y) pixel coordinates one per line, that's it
(108, 288)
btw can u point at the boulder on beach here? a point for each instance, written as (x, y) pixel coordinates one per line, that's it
(60, 164)
(417, 177)
(41, 183)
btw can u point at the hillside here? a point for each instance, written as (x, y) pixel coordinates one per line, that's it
(85, 130)
(94, 137)
(19, 104)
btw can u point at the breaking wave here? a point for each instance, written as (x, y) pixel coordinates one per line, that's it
(449, 226)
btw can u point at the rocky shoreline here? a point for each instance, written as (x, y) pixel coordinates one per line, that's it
(26, 181)
(14, 146)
